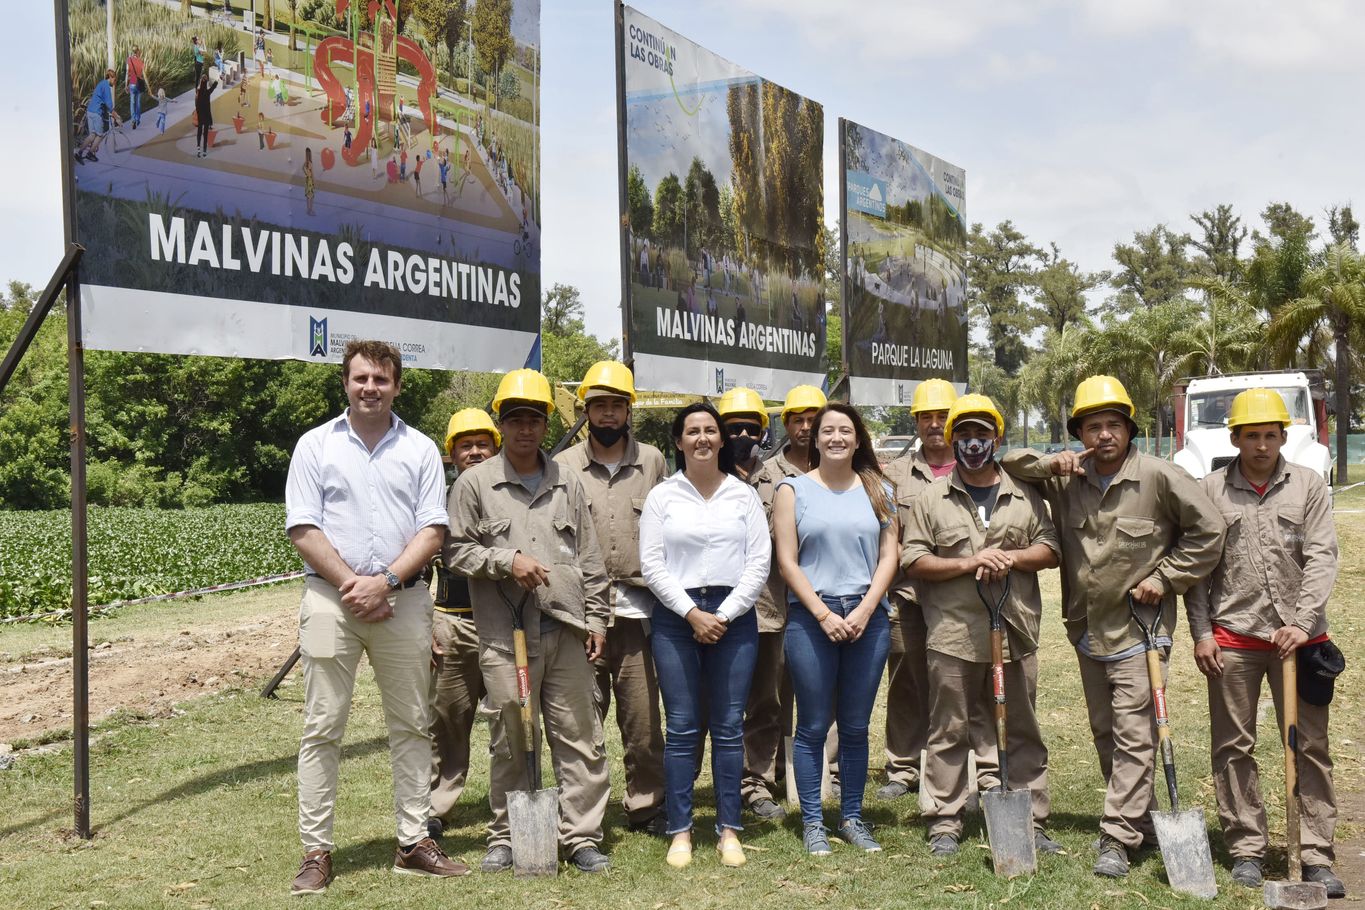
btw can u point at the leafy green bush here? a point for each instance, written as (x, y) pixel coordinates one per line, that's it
(138, 552)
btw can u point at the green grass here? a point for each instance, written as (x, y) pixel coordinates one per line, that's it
(198, 811)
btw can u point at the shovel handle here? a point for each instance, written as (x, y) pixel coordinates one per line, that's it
(1289, 668)
(1163, 726)
(998, 689)
(523, 666)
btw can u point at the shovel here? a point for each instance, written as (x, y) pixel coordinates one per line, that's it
(1294, 892)
(1182, 836)
(533, 814)
(1009, 813)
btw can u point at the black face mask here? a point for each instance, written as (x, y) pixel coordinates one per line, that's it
(742, 447)
(608, 436)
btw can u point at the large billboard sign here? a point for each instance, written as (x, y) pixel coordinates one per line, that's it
(905, 283)
(246, 187)
(723, 208)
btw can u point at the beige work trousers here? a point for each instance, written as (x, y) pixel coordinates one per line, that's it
(1233, 701)
(331, 641)
(1118, 698)
(907, 705)
(456, 686)
(627, 670)
(767, 719)
(563, 698)
(961, 700)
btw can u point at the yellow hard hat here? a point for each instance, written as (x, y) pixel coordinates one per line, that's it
(803, 398)
(973, 405)
(471, 420)
(1099, 393)
(610, 376)
(524, 385)
(742, 400)
(933, 395)
(1258, 406)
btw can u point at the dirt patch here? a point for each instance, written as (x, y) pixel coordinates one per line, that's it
(145, 673)
(1350, 864)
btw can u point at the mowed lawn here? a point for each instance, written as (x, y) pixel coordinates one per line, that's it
(198, 811)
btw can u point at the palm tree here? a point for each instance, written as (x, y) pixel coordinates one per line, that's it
(1332, 301)
(1147, 351)
(1051, 375)
(1229, 335)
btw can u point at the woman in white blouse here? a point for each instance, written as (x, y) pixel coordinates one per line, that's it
(704, 552)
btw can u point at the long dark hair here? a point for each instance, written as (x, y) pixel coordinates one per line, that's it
(865, 463)
(725, 456)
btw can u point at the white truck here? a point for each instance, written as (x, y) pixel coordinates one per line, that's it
(1201, 404)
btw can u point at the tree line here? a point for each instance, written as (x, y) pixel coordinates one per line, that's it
(1218, 297)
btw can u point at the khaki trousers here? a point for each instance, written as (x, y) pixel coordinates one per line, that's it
(1233, 701)
(767, 719)
(1118, 698)
(331, 642)
(563, 698)
(456, 686)
(907, 705)
(628, 671)
(961, 700)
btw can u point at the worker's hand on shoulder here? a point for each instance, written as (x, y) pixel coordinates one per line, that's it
(1068, 463)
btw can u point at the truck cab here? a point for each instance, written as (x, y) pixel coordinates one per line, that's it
(1203, 442)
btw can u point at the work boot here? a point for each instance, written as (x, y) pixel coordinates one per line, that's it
(590, 859)
(1247, 872)
(1113, 861)
(315, 874)
(497, 859)
(816, 840)
(767, 809)
(1323, 875)
(654, 827)
(425, 858)
(1044, 844)
(943, 845)
(895, 790)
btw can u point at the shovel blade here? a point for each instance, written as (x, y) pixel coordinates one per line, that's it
(1185, 852)
(534, 817)
(1009, 827)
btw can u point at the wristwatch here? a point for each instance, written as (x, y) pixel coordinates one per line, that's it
(393, 580)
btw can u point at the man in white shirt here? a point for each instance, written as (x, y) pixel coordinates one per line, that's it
(364, 509)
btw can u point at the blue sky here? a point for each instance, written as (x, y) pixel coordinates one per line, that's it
(1081, 120)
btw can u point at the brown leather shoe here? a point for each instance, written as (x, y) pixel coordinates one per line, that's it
(425, 858)
(315, 874)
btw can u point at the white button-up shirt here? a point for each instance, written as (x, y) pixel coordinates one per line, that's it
(687, 541)
(369, 505)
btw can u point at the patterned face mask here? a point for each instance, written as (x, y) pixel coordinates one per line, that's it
(973, 454)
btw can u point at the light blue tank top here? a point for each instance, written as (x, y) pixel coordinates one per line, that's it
(837, 537)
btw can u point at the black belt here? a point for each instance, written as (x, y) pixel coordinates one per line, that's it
(722, 590)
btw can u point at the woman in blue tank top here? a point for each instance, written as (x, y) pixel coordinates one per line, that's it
(837, 547)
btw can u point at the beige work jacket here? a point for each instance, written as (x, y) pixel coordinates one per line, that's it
(493, 517)
(1153, 523)
(944, 522)
(772, 600)
(1279, 559)
(616, 501)
(909, 474)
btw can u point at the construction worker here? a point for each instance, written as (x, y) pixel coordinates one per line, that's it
(1130, 525)
(746, 419)
(617, 472)
(457, 682)
(520, 524)
(972, 533)
(1266, 600)
(768, 712)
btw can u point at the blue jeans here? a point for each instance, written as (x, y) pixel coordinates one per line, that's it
(703, 684)
(833, 681)
(135, 104)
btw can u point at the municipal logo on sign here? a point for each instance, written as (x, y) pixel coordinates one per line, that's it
(317, 337)
(866, 193)
(720, 380)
